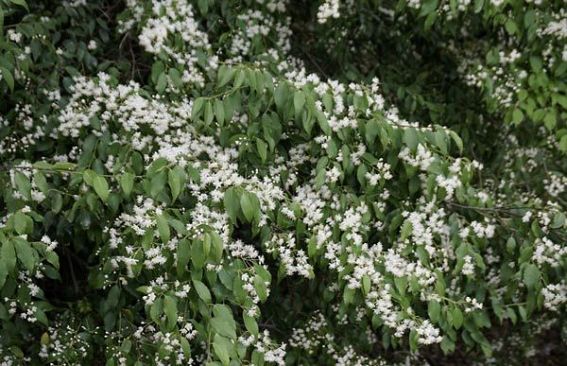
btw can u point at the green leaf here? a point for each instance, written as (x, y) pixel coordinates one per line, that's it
(258, 358)
(127, 183)
(176, 179)
(232, 203)
(163, 228)
(440, 142)
(447, 345)
(261, 288)
(64, 165)
(203, 6)
(434, 311)
(536, 63)
(41, 182)
(185, 346)
(101, 187)
(3, 276)
(457, 316)
(24, 185)
(25, 253)
(183, 255)
(410, 138)
(157, 184)
(531, 275)
(550, 120)
(41, 317)
(89, 176)
(457, 140)
(7, 77)
(222, 327)
(197, 107)
(22, 3)
(512, 315)
(366, 284)
(209, 113)
(298, 102)
(156, 310)
(161, 83)
(222, 348)
(202, 291)
(206, 242)
(56, 202)
(281, 94)
(219, 111)
(170, 310)
(558, 220)
(517, 116)
(252, 80)
(323, 123)
(563, 143)
(126, 346)
(428, 6)
(262, 148)
(175, 77)
(263, 273)
(511, 245)
(223, 322)
(8, 255)
(225, 312)
(225, 75)
(198, 255)
(413, 340)
(478, 5)
(23, 223)
(240, 77)
(1, 29)
(217, 247)
(113, 297)
(251, 324)
(511, 26)
(157, 69)
(406, 231)
(250, 206)
(371, 130)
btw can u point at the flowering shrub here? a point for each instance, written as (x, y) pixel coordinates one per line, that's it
(260, 182)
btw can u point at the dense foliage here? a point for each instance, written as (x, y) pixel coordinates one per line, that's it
(356, 182)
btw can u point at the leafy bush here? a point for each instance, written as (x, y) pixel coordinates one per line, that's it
(244, 182)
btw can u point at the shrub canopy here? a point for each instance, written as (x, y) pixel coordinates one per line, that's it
(214, 183)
